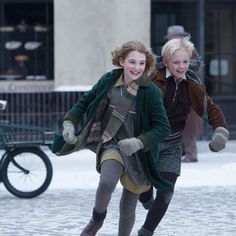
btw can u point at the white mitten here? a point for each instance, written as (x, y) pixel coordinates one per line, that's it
(69, 132)
(219, 139)
(130, 145)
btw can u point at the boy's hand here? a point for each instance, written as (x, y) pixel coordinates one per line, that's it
(219, 139)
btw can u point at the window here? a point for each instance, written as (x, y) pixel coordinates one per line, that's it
(166, 13)
(220, 49)
(26, 45)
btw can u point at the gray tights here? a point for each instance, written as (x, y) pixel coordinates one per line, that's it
(111, 171)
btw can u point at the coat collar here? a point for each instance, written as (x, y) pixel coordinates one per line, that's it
(144, 80)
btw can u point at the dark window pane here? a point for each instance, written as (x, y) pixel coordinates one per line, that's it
(26, 46)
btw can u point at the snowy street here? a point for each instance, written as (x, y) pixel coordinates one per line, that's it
(203, 204)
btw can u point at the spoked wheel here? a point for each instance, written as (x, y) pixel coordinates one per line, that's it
(26, 172)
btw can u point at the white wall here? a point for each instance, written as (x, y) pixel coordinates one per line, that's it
(86, 32)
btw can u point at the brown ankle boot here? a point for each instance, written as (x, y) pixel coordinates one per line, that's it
(94, 224)
(92, 228)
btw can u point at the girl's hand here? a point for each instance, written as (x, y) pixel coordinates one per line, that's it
(69, 132)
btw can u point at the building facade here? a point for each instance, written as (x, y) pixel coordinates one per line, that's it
(58, 45)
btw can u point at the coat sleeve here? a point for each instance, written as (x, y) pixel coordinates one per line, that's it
(90, 100)
(80, 107)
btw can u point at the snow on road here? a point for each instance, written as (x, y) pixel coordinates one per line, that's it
(203, 204)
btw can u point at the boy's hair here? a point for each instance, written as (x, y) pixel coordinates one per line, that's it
(174, 45)
(126, 48)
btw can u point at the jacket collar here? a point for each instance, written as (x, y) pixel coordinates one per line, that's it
(168, 74)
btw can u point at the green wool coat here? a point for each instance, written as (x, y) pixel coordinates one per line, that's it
(151, 122)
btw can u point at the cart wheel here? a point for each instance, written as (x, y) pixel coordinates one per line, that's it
(26, 172)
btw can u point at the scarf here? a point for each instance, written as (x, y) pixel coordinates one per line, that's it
(117, 118)
(95, 131)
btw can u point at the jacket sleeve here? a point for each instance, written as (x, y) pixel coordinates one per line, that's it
(215, 115)
(205, 107)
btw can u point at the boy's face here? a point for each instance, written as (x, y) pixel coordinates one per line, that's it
(134, 65)
(178, 63)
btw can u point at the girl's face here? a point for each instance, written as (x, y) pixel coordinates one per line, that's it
(134, 65)
(178, 63)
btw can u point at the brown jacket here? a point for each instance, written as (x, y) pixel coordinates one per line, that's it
(199, 100)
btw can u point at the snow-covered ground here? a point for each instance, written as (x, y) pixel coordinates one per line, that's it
(77, 170)
(203, 204)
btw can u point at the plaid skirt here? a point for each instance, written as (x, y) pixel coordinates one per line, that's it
(170, 156)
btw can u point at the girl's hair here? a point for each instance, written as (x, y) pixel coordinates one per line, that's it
(126, 48)
(177, 44)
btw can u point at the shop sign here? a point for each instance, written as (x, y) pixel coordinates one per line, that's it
(26, 86)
